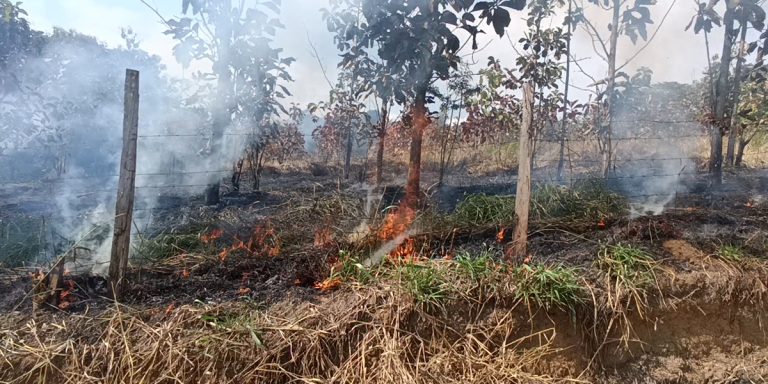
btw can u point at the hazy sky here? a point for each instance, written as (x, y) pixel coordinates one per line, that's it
(673, 55)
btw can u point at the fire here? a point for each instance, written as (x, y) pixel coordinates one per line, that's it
(185, 274)
(500, 236)
(223, 254)
(405, 251)
(397, 223)
(328, 284)
(601, 224)
(243, 291)
(750, 204)
(66, 297)
(211, 237)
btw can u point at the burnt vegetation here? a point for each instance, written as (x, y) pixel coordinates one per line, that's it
(546, 213)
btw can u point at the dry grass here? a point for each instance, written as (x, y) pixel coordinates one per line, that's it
(483, 330)
(375, 336)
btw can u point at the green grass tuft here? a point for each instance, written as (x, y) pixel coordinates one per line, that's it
(169, 244)
(425, 283)
(477, 267)
(732, 253)
(586, 200)
(482, 210)
(549, 286)
(352, 269)
(628, 265)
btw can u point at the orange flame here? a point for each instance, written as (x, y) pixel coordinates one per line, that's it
(224, 254)
(211, 237)
(274, 251)
(328, 284)
(601, 224)
(243, 291)
(405, 251)
(500, 236)
(185, 274)
(396, 223)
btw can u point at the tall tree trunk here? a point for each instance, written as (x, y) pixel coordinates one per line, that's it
(563, 124)
(222, 113)
(733, 131)
(721, 97)
(420, 122)
(610, 88)
(348, 152)
(383, 116)
(740, 151)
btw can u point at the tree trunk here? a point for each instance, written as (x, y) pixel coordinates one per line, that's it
(523, 196)
(740, 152)
(222, 112)
(348, 153)
(563, 125)
(380, 151)
(420, 122)
(733, 133)
(721, 98)
(611, 88)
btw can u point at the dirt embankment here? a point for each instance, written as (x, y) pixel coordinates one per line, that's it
(705, 325)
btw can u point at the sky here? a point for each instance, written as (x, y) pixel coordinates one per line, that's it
(673, 54)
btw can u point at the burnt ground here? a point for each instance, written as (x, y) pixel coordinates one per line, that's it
(705, 220)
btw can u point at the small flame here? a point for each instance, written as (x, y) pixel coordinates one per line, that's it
(500, 236)
(274, 251)
(328, 284)
(243, 291)
(224, 254)
(601, 224)
(211, 237)
(405, 251)
(185, 274)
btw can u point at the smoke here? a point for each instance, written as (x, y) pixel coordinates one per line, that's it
(66, 113)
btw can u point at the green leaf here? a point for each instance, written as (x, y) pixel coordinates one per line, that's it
(501, 20)
(514, 4)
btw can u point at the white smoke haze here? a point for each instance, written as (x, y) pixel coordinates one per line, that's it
(81, 84)
(68, 110)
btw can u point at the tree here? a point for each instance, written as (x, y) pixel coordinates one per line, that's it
(726, 88)
(415, 42)
(249, 73)
(753, 115)
(344, 118)
(749, 13)
(279, 141)
(631, 21)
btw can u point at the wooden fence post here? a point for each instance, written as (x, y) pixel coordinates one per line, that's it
(121, 240)
(525, 161)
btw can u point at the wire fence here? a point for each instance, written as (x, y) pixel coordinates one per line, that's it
(56, 198)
